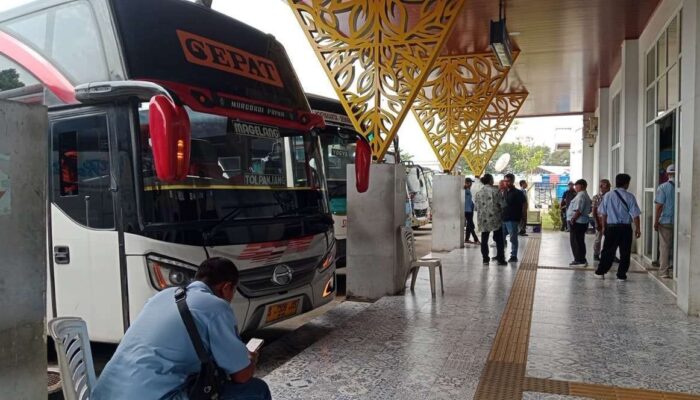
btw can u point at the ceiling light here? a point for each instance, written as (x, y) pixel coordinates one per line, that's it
(500, 40)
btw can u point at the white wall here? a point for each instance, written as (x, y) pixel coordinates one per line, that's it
(631, 82)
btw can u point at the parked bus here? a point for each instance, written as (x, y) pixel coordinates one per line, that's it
(419, 189)
(338, 144)
(176, 134)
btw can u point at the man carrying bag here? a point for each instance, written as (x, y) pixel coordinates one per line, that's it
(184, 345)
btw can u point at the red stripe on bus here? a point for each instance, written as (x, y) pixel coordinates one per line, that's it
(38, 66)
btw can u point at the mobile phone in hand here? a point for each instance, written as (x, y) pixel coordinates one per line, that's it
(254, 344)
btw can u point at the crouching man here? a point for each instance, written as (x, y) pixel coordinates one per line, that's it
(156, 355)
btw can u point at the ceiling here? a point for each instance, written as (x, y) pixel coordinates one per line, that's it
(569, 48)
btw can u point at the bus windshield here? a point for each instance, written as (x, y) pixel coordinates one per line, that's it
(239, 167)
(338, 150)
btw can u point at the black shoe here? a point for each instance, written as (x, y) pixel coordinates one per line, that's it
(513, 259)
(616, 260)
(596, 258)
(486, 261)
(501, 262)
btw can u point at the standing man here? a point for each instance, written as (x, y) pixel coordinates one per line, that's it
(523, 222)
(618, 210)
(604, 187)
(663, 221)
(565, 199)
(489, 206)
(469, 212)
(577, 215)
(516, 207)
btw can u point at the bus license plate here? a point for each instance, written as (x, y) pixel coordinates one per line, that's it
(279, 311)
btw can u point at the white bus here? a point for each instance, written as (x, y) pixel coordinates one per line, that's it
(176, 133)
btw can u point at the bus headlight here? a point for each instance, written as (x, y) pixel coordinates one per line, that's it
(329, 258)
(166, 272)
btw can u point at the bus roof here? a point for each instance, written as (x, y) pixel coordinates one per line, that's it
(330, 109)
(210, 61)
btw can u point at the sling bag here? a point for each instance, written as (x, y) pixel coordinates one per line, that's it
(209, 381)
(627, 207)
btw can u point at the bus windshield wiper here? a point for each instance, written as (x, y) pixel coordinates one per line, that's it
(297, 210)
(209, 232)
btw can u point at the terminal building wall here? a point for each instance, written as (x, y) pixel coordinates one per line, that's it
(648, 118)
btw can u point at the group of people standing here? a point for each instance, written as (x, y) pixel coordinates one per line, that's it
(615, 214)
(501, 211)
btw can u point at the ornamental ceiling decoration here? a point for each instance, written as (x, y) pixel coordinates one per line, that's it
(377, 54)
(453, 99)
(491, 129)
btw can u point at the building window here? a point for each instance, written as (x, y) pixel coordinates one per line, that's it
(615, 137)
(662, 110)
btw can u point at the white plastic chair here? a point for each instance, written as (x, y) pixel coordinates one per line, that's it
(415, 263)
(70, 336)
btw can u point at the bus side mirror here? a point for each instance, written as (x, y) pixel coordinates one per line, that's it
(363, 159)
(170, 132)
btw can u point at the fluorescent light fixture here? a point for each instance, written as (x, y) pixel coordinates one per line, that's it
(500, 43)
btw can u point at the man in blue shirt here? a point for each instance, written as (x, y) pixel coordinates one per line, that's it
(469, 212)
(663, 222)
(618, 211)
(577, 216)
(156, 355)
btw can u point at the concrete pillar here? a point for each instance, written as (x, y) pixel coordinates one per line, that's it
(448, 212)
(688, 208)
(23, 170)
(603, 141)
(375, 262)
(629, 107)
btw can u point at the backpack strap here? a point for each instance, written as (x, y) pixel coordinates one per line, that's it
(188, 320)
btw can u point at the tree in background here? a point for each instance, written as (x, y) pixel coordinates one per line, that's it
(560, 158)
(9, 79)
(405, 156)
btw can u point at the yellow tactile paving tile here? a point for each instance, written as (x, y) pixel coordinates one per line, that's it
(504, 373)
(602, 392)
(504, 377)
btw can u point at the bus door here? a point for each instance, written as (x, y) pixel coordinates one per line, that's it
(84, 269)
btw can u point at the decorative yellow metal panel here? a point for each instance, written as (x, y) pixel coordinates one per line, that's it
(453, 99)
(491, 129)
(377, 54)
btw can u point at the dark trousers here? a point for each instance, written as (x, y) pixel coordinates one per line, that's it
(577, 239)
(616, 236)
(469, 217)
(564, 222)
(498, 238)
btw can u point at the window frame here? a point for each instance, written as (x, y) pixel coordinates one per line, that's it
(55, 197)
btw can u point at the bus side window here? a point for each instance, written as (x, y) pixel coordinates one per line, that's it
(68, 163)
(82, 172)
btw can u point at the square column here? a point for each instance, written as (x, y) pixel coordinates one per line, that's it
(23, 161)
(688, 167)
(629, 107)
(375, 262)
(448, 212)
(602, 145)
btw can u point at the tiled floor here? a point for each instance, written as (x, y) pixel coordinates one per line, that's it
(585, 330)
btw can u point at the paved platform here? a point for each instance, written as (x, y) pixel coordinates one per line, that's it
(535, 330)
